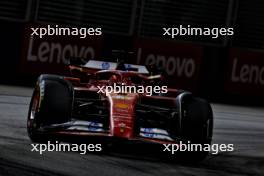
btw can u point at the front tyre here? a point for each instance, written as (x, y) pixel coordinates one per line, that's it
(197, 126)
(51, 103)
(32, 121)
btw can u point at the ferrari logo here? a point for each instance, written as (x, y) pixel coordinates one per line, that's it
(122, 127)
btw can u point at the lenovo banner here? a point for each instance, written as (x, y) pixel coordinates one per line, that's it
(180, 61)
(49, 54)
(245, 72)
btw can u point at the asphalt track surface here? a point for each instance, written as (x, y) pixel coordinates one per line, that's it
(242, 126)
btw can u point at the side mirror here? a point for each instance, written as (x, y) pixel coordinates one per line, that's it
(82, 75)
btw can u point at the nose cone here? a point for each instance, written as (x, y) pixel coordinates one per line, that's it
(122, 114)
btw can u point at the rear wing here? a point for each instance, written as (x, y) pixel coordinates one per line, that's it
(103, 65)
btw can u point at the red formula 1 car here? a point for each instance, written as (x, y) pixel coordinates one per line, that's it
(86, 104)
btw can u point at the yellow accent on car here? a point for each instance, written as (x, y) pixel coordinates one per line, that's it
(121, 105)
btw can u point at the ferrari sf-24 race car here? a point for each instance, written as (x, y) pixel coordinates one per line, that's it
(73, 105)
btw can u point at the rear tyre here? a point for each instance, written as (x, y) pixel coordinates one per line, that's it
(51, 103)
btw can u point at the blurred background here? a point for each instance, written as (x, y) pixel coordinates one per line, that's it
(226, 69)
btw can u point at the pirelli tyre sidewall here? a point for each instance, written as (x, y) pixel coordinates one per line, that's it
(51, 103)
